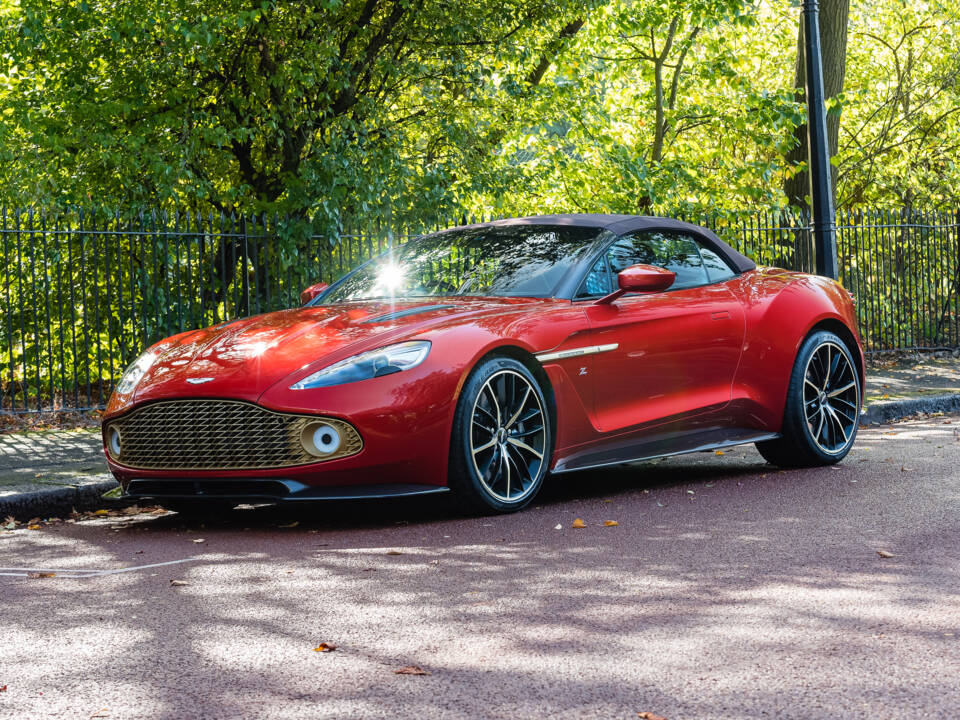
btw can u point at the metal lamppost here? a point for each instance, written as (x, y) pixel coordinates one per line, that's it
(821, 191)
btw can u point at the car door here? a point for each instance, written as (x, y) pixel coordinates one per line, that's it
(671, 354)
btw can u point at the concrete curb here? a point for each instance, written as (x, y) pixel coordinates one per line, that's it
(887, 411)
(55, 501)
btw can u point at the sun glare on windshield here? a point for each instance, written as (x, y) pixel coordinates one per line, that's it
(390, 278)
(508, 261)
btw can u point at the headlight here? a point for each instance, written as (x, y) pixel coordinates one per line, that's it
(131, 376)
(374, 363)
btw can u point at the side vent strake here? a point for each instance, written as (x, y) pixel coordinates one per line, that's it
(404, 313)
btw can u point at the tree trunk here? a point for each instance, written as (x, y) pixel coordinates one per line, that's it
(833, 43)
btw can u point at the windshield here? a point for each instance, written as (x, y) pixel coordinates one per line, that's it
(510, 261)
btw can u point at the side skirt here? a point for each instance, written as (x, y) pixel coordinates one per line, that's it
(679, 443)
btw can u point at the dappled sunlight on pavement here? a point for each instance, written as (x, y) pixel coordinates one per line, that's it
(727, 589)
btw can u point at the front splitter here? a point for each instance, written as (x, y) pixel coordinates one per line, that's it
(267, 490)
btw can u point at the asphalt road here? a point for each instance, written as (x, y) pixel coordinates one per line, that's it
(727, 590)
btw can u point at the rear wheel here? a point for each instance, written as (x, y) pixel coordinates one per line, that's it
(501, 442)
(823, 406)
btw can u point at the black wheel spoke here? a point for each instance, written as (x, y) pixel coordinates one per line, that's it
(486, 412)
(529, 431)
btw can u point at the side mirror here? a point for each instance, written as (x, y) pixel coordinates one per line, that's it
(311, 292)
(640, 278)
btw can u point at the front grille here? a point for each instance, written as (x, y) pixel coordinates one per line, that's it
(220, 435)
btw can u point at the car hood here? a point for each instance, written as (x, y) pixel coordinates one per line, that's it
(242, 358)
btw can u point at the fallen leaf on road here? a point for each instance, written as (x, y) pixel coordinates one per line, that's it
(3, 688)
(885, 554)
(178, 583)
(9, 523)
(198, 540)
(36, 575)
(394, 552)
(290, 525)
(904, 468)
(610, 523)
(578, 523)
(33, 527)
(325, 647)
(101, 512)
(608, 501)
(719, 452)
(411, 670)
(650, 716)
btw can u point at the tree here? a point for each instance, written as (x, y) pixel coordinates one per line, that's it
(901, 130)
(656, 108)
(833, 20)
(310, 107)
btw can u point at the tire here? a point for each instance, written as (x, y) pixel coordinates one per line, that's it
(502, 442)
(823, 406)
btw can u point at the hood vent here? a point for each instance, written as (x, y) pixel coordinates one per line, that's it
(404, 313)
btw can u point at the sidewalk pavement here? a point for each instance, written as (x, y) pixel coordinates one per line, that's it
(49, 473)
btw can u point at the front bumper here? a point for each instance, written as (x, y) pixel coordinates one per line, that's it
(404, 420)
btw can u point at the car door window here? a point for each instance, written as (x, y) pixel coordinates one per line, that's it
(597, 281)
(717, 268)
(693, 262)
(673, 251)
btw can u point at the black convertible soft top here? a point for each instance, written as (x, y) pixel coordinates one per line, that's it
(622, 224)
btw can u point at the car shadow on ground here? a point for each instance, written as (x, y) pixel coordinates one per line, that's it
(558, 490)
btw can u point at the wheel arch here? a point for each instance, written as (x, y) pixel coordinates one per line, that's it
(841, 330)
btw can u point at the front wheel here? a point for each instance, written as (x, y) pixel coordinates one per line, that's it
(501, 443)
(823, 406)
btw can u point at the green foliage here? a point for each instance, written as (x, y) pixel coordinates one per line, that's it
(900, 129)
(325, 109)
(350, 112)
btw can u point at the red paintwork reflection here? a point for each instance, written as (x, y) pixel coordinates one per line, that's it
(718, 355)
(311, 292)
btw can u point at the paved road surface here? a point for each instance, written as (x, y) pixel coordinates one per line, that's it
(728, 590)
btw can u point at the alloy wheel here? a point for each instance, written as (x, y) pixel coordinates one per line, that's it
(831, 398)
(508, 436)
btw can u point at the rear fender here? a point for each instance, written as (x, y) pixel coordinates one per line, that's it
(782, 311)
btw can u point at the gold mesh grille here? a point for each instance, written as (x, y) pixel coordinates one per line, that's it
(220, 435)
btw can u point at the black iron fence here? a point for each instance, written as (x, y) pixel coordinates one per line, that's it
(82, 293)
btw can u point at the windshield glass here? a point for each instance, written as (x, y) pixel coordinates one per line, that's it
(512, 261)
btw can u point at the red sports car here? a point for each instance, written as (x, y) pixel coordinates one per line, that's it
(481, 359)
